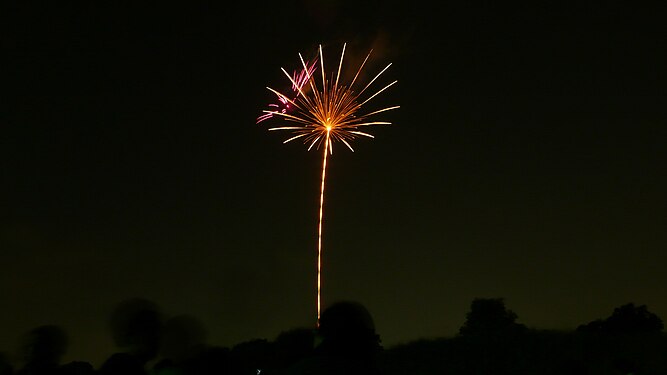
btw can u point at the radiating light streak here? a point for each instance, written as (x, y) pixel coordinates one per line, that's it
(298, 80)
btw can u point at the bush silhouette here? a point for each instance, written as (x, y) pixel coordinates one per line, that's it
(627, 318)
(489, 316)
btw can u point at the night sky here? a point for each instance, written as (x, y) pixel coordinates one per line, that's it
(527, 161)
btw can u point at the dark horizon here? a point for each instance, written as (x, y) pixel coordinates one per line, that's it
(526, 162)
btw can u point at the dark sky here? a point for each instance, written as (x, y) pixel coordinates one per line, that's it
(526, 162)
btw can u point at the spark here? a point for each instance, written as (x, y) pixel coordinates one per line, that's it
(322, 116)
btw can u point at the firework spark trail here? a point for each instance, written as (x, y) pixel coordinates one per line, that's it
(323, 116)
(298, 80)
(319, 230)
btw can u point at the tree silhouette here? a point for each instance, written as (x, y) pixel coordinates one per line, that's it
(489, 316)
(627, 318)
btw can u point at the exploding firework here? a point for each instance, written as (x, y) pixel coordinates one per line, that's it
(325, 115)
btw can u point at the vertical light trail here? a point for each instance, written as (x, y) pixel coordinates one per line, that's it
(319, 236)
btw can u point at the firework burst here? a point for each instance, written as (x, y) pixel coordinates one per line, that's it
(327, 113)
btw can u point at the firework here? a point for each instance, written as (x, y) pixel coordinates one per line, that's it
(324, 115)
